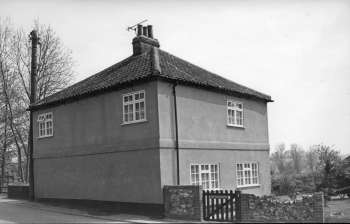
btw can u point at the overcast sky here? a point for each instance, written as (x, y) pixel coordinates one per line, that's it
(296, 51)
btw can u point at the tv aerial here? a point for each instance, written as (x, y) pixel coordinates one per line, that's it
(134, 27)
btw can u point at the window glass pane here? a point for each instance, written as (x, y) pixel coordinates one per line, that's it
(142, 95)
(131, 112)
(239, 117)
(192, 169)
(212, 168)
(233, 116)
(247, 177)
(205, 180)
(131, 108)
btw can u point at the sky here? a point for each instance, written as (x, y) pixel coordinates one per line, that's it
(296, 51)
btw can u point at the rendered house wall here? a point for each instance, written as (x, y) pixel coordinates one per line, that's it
(204, 136)
(92, 156)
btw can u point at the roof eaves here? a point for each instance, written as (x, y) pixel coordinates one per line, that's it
(91, 93)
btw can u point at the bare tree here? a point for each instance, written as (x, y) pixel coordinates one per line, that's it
(279, 157)
(296, 155)
(54, 63)
(54, 73)
(329, 161)
(5, 40)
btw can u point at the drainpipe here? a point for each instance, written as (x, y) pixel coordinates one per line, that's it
(33, 73)
(176, 136)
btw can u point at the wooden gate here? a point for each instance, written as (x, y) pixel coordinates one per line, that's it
(218, 205)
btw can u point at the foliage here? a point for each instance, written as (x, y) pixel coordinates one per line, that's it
(296, 170)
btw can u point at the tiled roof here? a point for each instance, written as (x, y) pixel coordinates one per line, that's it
(179, 69)
(142, 67)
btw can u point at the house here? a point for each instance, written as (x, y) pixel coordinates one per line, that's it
(150, 120)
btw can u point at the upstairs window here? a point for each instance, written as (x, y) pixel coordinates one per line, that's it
(134, 107)
(247, 174)
(206, 175)
(45, 122)
(234, 113)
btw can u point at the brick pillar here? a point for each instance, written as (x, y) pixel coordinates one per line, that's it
(318, 204)
(242, 206)
(183, 202)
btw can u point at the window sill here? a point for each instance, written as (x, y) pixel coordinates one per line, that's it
(42, 137)
(235, 126)
(133, 122)
(249, 186)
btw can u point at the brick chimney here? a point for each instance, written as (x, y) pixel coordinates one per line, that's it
(144, 40)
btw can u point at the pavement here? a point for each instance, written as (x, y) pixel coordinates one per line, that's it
(22, 211)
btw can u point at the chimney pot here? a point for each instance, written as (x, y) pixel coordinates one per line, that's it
(144, 31)
(150, 31)
(139, 30)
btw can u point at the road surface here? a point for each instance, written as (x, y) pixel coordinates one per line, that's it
(21, 211)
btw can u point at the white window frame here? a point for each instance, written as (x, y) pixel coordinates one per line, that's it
(133, 102)
(233, 106)
(245, 180)
(44, 126)
(200, 171)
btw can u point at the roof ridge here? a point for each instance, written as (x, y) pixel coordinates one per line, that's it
(155, 61)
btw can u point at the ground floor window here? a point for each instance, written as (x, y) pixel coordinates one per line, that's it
(206, 175)
(247, 174)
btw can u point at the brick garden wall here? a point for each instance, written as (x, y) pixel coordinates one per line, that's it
(20, 191)
(252, 208)
(183, 202)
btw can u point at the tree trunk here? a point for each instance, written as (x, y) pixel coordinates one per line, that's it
(3, 156)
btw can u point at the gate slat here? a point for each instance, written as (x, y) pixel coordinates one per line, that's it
(217, 214)
(203, 203)
(222, 203)
(226, 205)
(208, 204)
(212, 206)
(232, 197)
